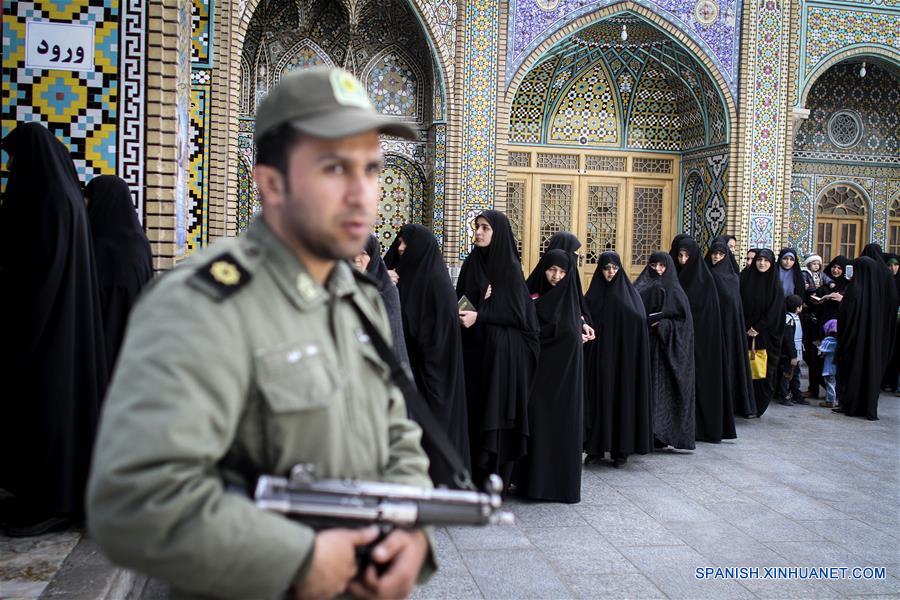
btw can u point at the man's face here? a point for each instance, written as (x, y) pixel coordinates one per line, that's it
(683, 257)
(484, 233)
(716, 257)
(329, 201)
(787, 262)
(610, 271)
(555, 274)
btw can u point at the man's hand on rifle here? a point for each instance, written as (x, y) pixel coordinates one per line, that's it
(403, 552)
(333, 562)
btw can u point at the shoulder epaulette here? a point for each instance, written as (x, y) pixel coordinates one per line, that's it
(221, 277)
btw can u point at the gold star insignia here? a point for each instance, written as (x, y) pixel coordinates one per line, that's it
(225, 272)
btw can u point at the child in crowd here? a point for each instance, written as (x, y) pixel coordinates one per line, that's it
(829, 371)
(791, 354)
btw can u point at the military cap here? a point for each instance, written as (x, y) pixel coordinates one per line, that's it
(324, 102)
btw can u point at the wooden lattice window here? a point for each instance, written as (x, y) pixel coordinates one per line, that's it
(602, 218)
(557, 161)
(652, 165)
(646, 223)
(556, 210)
(842, 201)
(604, 163)
(515, 210)
(894, 226)
(520, 159)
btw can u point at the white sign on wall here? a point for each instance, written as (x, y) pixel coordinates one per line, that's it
(59, 46)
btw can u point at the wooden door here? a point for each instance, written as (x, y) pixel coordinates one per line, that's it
(601, 220)
(554, 207)
(836, 237)
(648, 217)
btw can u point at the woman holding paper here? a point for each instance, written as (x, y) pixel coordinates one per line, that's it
(500, 347)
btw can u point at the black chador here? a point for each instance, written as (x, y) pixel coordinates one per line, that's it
(829, 307)
(889, 308)
(715, 415)
(861, 356)
(433, 342)
(568, 243)
(671, 353)
(737, 381)
(53, 359)
(763, 299)
(377, 270)
(500, 349)
(617, 367)
(732, 259)
(552, 469)
(121, 253)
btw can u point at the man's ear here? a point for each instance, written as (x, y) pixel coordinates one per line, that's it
(270, 182)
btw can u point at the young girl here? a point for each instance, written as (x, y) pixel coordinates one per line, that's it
(827, 348)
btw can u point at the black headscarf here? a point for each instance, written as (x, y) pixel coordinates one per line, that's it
(796, 274)
(53, 362)
(737, 381)
(500, 350)
(828, 309)
(431, 327)
(567, 242)
(617, 367)
(672, 353)
(890, 300)
(552, 469)
(121, 253)
(861, 356)
(763, 301)
(715, 415)
(377, 270)
(724, 239)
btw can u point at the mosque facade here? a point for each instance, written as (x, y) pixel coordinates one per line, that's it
(623, 121)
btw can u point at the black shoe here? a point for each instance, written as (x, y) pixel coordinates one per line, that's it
(785, 402)
(838, 409)
(619, 461)
(801, 401)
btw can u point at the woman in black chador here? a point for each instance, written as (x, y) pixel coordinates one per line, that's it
(861, 356)
(500, 347)
(831, 292)
(53, 356)
(121, 253)
(671, 352)
(552, 469)
(370, 262)
(617, 367)
(715, 415)
(568, 243)
(764, 310)
(431, 328)
(737, 381)
(889, 307)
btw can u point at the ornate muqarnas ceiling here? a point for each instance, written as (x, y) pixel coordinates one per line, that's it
(593, 88)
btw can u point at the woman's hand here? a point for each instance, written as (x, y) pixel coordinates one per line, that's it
(394, 276)
(752, 332)
(587, 333)
(467, 318)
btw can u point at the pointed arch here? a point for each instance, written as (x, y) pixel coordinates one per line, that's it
(305, 53)
(406, 100)
(883, 54)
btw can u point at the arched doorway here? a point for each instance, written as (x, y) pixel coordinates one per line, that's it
(618, 140)
(841, 222)
(385, 46)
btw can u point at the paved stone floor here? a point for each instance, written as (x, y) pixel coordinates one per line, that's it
(801, 487)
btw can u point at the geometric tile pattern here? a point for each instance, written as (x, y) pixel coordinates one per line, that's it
(305, 54)
(529, 25)
(80, 108)
(198, 183)
(248, 196)
(439, 177)
(704, 177)
(394, 85)
(872, 98)
(528, 106)
(586, 113)
(479, 111)
(201, 37)
(132, 98)
(654, 121)
(402, 198)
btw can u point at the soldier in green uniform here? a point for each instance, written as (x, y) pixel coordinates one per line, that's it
(251, 357)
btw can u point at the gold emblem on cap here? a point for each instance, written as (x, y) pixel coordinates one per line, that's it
(225, 272)
(348, 90)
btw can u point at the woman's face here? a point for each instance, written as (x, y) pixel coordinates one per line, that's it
(815, 266)
(659, 267)
(401, 246)
(763, 264)
(609, 271)
(837, 271)
(732, 245)
(483, 232)
(893, 268)
(787, 262)
(716, 257)
(750, 257)
(683, 257)
(361, 261)
(555, 274)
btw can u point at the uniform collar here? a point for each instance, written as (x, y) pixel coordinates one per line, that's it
(292, 276)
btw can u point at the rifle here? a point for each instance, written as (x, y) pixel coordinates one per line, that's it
(328, 503)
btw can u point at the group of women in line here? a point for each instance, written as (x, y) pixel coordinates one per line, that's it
(529, 374)
(77, 258)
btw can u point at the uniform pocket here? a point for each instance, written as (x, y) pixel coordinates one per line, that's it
(296, 376)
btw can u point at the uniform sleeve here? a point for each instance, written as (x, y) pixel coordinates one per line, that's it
(155, 501)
